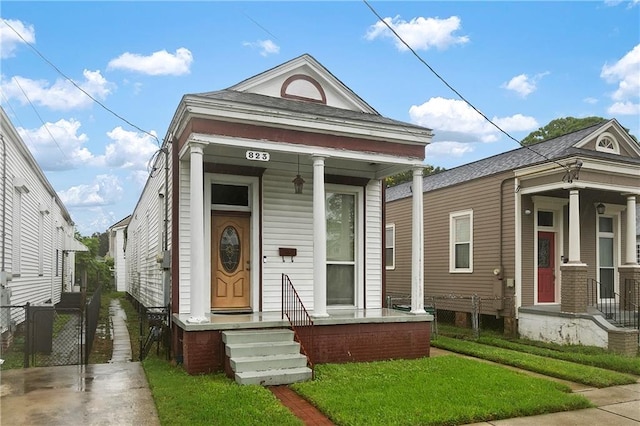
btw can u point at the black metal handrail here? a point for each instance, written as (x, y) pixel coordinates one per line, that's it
(299, 319)
(621, 309)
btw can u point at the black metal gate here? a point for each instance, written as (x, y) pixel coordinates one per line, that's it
(49, 335)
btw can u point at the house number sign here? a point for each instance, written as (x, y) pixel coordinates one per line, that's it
(257, 156)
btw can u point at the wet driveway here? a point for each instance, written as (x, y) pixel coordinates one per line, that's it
(98, 394)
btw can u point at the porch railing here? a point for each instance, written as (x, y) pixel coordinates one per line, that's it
(299, 319)
(621, 309)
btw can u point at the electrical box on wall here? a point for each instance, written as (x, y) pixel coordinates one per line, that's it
(511, 282)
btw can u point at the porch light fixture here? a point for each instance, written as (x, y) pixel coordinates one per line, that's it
(600, 208)
(298, 182)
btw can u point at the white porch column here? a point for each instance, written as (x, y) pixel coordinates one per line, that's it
(574, 226)
(196, 219)
(417, 244)
(319, 240)
(630, 257)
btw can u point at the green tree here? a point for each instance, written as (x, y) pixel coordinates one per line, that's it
(563, 126)
(407, 176)
(96, 268)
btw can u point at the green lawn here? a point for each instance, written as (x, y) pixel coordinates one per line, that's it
(586, 355)
(182, 399)
(431, 391)
(579, 373)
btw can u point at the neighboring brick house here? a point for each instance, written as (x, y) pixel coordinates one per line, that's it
(542, 233)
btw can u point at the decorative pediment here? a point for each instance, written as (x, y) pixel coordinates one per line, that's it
(611, 138)
(304, 79)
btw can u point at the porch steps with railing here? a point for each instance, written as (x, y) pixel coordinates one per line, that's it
(265, 357)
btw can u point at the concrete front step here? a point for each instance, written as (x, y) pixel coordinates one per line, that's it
(273, 377)
(268, 362)
(250, 336)
(239, 350)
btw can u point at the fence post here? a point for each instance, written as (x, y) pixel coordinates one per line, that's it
(27, 335)
(475, 313)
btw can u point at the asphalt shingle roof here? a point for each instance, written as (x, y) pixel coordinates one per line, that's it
(550, 150)
(304, 107)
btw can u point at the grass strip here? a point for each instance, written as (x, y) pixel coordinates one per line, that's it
(444, 390)
(579, 373)
(602, 359)
(182, 399)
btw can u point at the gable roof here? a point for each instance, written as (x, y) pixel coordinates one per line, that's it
(302, 107)
(548, 151)
(304, 64)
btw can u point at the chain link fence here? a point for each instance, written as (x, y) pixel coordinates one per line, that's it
(48, 335)
(456, 314)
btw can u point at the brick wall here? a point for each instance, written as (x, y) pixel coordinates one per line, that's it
(203, 351)
(624, 342)
(574, 288)
(371, 342)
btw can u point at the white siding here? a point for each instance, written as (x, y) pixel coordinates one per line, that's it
(287, 222)
(373, 245)
(184, 248)
(144, 273)
(43, 222)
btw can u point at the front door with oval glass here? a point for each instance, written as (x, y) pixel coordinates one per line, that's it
(230, 263)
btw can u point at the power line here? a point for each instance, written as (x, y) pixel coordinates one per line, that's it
(39, 117)
(77, 86)
(455, 91)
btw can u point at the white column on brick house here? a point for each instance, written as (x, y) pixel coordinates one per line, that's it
(631, 238)
(196, 218)
(574, 226)
(417, 244)
(319, 240)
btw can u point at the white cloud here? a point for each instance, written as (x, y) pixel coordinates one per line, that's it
(104, 190)
(590, 101)
(158, 63)
(455, 116)
(625, 73)
(129, 150)
(92, 219)
(448, 149)
(62, 95)
(10, 41)
(419, 33)
(267, 47)
(624, 108)
(57, 146)
(523, 85)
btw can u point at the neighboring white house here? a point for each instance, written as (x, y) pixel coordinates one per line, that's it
(117, 240)
(38, 245)
(278, 177)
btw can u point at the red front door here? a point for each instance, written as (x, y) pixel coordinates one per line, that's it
(546, 267)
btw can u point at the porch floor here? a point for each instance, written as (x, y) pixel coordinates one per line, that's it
(215, 321)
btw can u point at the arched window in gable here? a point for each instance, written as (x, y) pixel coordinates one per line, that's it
(607, 143)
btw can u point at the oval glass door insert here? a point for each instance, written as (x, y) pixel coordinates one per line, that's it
(230, 249)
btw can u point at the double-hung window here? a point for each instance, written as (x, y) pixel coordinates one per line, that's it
(461, 241)
(390, 246)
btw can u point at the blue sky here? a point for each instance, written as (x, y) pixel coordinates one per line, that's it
(522, 64)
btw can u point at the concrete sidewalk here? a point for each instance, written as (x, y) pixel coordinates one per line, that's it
(100, 394)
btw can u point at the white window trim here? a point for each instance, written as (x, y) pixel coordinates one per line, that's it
(358, 193)
(452, 260)
(607, 135)
(615, 218)
(392, 246)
